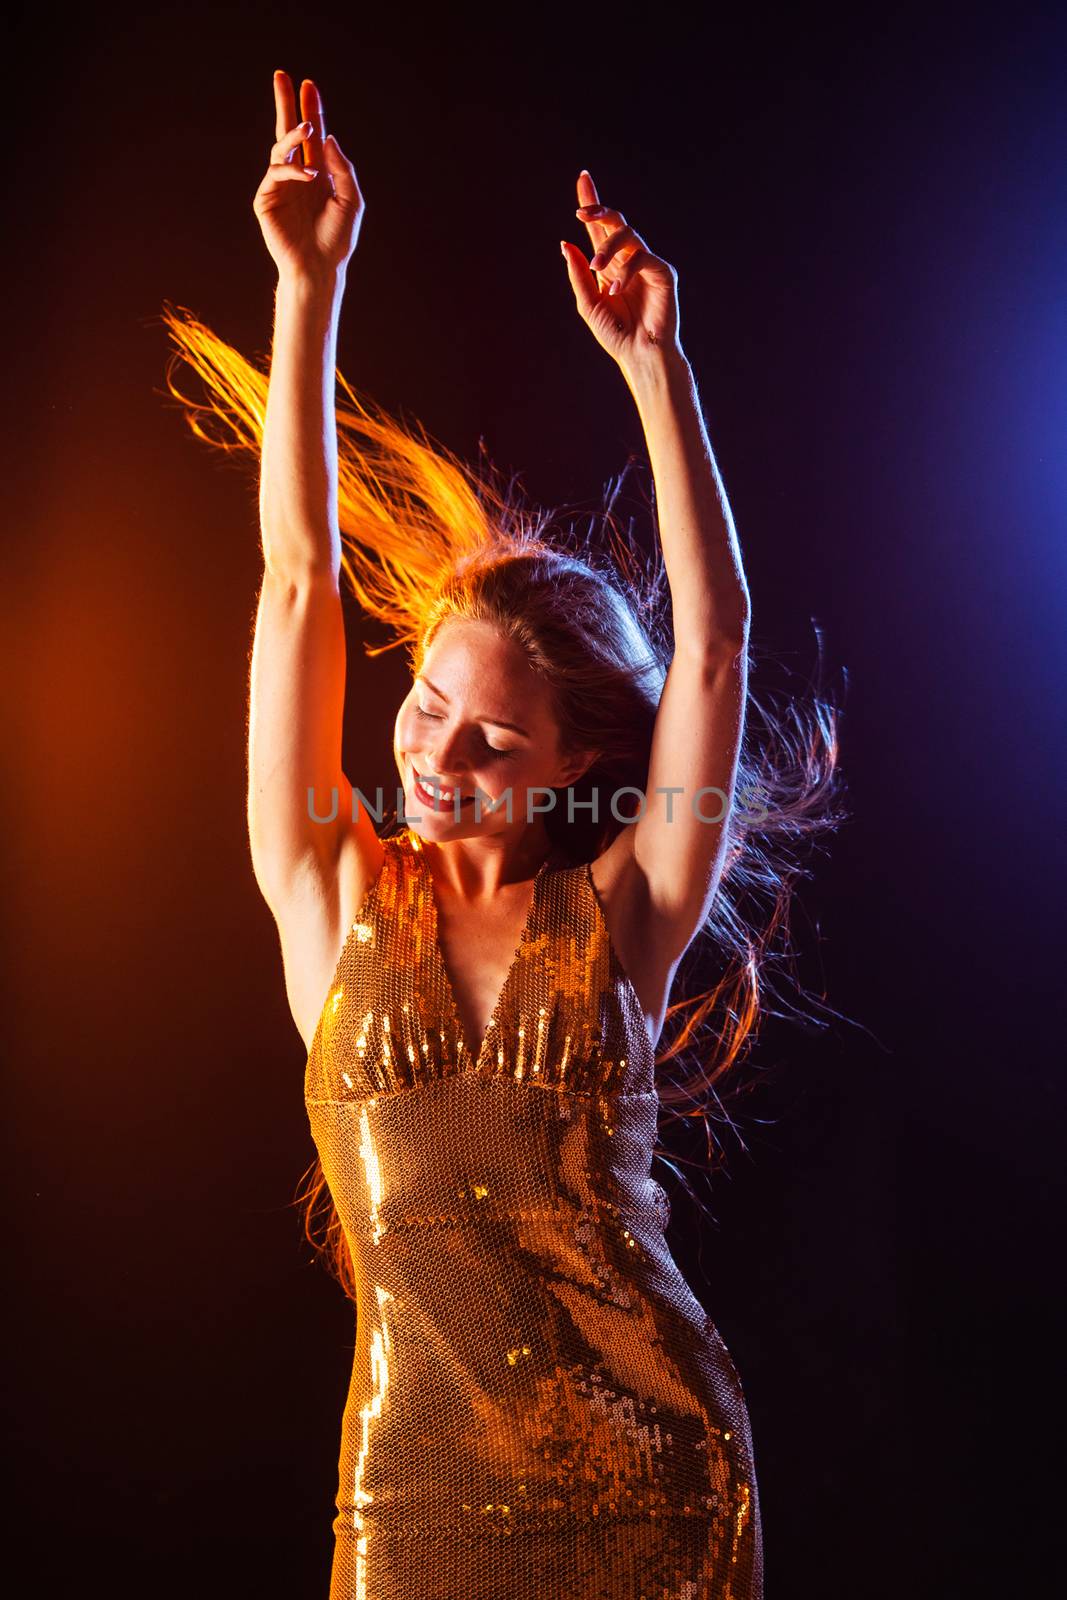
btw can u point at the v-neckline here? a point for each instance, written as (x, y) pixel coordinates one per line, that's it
(439, 955)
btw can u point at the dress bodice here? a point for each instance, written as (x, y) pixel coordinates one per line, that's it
(567, 1015)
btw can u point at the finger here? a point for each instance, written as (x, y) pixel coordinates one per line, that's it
(588, 198)
(284, 151)
(599, 221)
(311, 109)
(285, 174)
(587, 194)
(600, 214)
(341, 170)
(611, 246)
(284, 104)
(586, 292)
(641, 261)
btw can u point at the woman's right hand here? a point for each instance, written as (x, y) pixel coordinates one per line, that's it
(308, 205)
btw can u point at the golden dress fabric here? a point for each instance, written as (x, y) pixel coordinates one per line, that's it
(539, 1407)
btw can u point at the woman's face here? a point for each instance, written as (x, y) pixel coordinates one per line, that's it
(479, 720)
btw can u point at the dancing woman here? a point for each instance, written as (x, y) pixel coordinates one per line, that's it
(539, 1404)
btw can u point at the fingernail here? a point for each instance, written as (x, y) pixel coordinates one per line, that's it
(614, 286)
(308, 127)
(563, 249)
(597, 261)
(311, 172)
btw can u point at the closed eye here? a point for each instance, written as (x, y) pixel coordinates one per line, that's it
(504, 755)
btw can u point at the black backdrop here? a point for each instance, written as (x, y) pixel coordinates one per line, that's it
(869, 226)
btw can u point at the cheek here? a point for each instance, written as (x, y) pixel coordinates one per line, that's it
(522, 773)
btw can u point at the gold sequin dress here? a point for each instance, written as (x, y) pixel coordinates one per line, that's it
(539, 1408)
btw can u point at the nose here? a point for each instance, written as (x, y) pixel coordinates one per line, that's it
(447, 758)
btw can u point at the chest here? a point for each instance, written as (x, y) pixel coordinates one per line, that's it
(536, 999)
(479, 949)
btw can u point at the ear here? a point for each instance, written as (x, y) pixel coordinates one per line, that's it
(575, 767)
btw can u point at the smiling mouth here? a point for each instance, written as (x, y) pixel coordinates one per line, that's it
(440, 797)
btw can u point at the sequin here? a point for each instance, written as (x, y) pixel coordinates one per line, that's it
(539, 1406)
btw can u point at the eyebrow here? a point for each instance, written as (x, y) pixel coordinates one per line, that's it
(495, 721)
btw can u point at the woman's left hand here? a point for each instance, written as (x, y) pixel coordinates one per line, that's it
(626, 295)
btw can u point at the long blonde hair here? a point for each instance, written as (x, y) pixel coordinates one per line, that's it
(425, 537)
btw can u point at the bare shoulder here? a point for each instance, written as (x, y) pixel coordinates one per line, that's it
(647, 951)
(317, 917)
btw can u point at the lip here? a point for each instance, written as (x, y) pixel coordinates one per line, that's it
(436, 801)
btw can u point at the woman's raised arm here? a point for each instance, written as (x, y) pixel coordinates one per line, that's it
(310, 211)
(675, 852)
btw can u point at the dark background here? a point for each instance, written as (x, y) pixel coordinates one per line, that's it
(868, 220)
